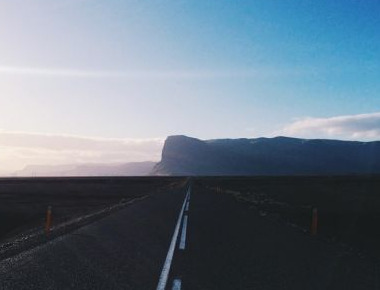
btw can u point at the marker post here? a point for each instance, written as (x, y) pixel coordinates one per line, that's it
(314, 222)
(48, 220)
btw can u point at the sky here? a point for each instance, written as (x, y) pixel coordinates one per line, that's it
(122, 75)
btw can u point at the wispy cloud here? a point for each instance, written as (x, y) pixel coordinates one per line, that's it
(18, 149)
(355, 127)
(152, 74)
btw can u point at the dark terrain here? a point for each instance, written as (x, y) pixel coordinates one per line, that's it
(348, 206)
(242, 233)
(24, 201)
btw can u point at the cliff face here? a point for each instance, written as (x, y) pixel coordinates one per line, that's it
(182, 155)
(267, 156)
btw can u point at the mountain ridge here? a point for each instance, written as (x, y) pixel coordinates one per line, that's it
(279, 155)
(89, 169)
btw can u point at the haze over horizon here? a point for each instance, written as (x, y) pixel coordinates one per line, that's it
(93, 81)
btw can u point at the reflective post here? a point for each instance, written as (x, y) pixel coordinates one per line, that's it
(48, 220)
(314, 222)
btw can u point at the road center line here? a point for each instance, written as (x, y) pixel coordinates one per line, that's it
(176, 284)
(182, 243)
(169, 257)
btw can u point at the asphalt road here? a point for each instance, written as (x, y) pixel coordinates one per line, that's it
(219, 244)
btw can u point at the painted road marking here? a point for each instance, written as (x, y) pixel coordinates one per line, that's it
(182, 243)
(177, 284)
(169, 257)
(187, 206)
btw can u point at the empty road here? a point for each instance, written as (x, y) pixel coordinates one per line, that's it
(190, 238)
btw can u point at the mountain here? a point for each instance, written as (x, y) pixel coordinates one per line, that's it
(267, 156)
(122, 169)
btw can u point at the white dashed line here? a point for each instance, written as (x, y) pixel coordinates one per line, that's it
(169, 257)
(182, 243)
(177, 284)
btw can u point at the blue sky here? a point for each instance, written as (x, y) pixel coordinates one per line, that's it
(208, 69)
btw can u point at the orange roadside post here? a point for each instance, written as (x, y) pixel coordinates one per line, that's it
(48, 220)
(314, 222)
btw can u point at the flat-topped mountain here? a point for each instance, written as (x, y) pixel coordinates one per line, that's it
(267, 156)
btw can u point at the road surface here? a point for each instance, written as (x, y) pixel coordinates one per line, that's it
(190, 238)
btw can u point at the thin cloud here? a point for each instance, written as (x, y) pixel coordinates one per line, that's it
(150, 74)
(355, 127)
(18, 149)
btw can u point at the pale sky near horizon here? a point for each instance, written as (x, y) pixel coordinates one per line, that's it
(138, 71)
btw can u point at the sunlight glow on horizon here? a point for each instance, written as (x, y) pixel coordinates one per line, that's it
(19, 149)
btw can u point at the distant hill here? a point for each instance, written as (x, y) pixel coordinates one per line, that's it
(122, 169)
(267, 156)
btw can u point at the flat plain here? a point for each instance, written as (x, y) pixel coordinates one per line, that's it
(348, 207)
(24, 201)
(237, 232)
